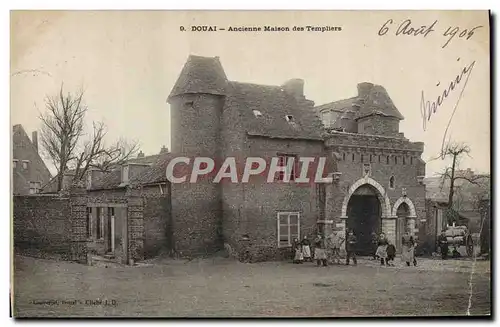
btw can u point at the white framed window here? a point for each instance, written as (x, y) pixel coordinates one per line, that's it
(25, 164)
(288, 224)
(35, 187)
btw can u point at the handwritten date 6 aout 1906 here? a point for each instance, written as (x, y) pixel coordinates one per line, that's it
(408, 28)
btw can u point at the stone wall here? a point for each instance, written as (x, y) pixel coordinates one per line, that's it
(251, 209)
(43, 223)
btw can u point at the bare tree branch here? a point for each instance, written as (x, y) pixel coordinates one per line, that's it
(62, 138)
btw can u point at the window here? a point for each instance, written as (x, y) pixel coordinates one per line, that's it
(288, 228)
(395, 160)
(361, 158)
(379, 158)
(100, 223)
(25, 164)
(387, 159)
(404, 160)
(89, 221)
(411, 160)
(14, 163)
(353, 157)
(257, 113)
(343, 156)
(283, 161)
(289, 118)
(391, 182)
(35, 187)
(371, 158)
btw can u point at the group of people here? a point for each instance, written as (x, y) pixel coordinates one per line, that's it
(386, 251)
(325, 250)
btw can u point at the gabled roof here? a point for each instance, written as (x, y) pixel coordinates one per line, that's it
(201, 75)
(154, 174)
(275, 105)
(372, 99)
(340, 105)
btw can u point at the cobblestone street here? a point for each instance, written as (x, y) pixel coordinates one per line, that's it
(222, 288)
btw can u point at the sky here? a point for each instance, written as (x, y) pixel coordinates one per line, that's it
(128, 61)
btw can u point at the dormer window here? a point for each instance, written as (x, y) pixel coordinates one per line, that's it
(25, 164)
(289, 118)
(189, 104)
(257, 113)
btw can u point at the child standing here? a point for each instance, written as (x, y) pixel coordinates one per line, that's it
(299, 256)
(391, 253)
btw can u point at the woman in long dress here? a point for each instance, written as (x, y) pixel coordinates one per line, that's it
(408, 253)
(382, 249)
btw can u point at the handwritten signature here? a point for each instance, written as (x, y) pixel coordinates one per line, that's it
(428, 108)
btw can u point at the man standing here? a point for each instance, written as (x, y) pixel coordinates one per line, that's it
(350, 247)
(335, 242)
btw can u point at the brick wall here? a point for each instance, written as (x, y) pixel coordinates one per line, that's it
(43, 223)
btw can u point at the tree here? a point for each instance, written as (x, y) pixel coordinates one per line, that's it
(63, 138)
(456, 151)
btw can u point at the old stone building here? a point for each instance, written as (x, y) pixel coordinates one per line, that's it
(214, 117)
(376, 179)
(29, 172)
(380, 188)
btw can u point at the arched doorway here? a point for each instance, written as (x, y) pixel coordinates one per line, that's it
(402, 212)
(364, 214)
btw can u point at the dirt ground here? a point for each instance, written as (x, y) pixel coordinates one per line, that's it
(222, 288)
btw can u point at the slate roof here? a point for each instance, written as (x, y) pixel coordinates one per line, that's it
(274, 104)
(372, 99)
(206, 75)
(201, 75)
(154, 174)
(340, 105)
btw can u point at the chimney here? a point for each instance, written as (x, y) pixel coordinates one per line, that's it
(294, 86)
(34, 140)
(140, 154)
(364, 88)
